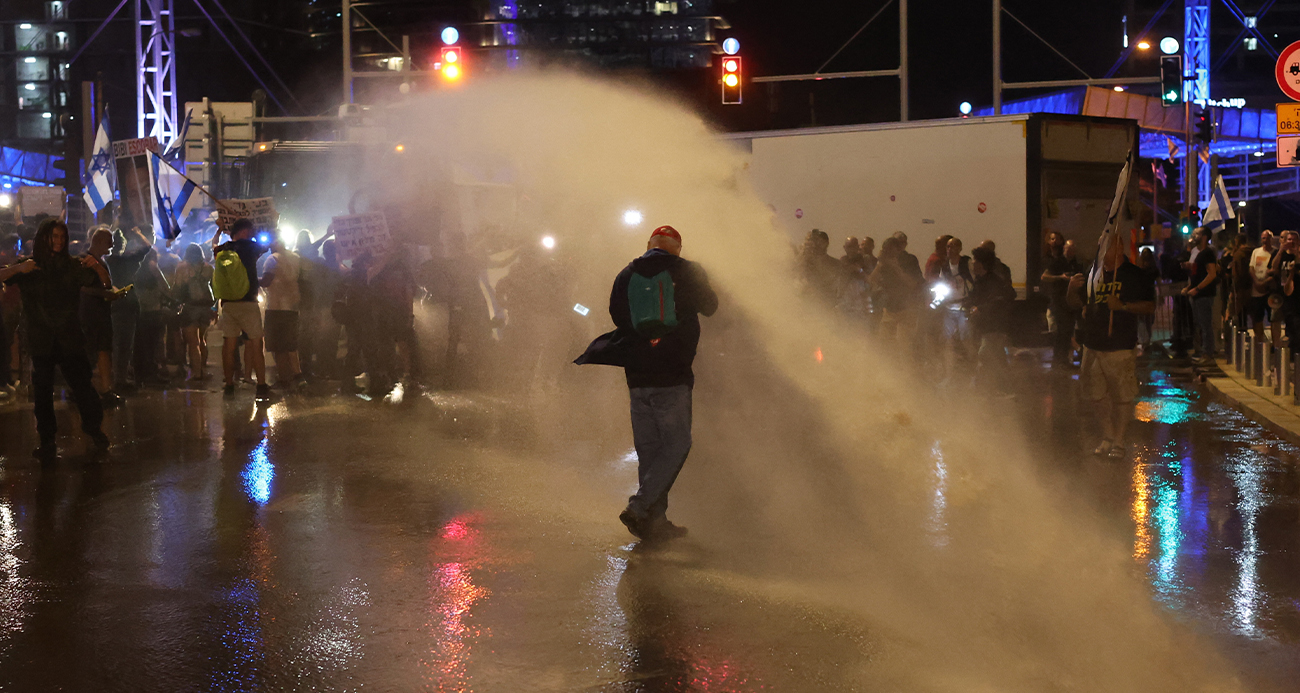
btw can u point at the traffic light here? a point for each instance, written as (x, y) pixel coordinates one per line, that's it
(452, 64)
(1171, 80)
(1204, 126)
(732, 79)
(1185, 227)
(71, 178)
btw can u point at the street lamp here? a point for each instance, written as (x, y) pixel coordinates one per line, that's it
(1144, 45)
(965, 108)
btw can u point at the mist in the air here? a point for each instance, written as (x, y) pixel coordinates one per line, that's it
(840, 480)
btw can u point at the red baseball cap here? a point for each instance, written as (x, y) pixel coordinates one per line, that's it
(667, 231)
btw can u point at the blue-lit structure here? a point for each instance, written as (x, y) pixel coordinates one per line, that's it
(19, 167)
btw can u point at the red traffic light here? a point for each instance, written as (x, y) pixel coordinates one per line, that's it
(731, 79)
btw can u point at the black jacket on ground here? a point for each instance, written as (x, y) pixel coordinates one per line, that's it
(668, 362)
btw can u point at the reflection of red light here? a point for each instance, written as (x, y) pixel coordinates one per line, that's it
(818, 355)
(456, 529)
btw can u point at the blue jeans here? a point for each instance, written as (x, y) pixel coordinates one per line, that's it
(1203, 314)
(661, 430)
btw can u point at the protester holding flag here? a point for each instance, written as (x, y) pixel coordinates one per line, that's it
(1109, 333)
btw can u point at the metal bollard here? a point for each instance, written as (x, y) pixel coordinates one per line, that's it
(1257, 352)
(1247, 351)
(1236, 348)
(1282, 382)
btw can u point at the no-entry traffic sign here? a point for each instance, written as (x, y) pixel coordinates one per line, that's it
(1288, 71)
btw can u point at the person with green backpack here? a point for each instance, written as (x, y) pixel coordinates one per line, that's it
(234, 283)
(655, 304)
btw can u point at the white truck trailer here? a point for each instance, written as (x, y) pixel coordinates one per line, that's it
(1011, 179)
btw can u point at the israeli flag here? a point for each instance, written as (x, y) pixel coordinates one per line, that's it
(174, 196)
(1220, 209)
(176, 148)
(100, 170)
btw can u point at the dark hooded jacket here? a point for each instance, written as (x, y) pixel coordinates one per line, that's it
(666, 363)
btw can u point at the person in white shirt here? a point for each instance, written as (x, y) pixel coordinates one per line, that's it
(280, 283)
(1261, 283)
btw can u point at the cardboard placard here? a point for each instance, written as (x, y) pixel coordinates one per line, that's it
(36, 200)
(354, 234)
(133, 179)
(261, 210)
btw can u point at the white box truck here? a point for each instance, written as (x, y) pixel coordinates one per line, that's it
(1009, 178)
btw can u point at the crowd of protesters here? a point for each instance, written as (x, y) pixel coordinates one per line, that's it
(143, 309)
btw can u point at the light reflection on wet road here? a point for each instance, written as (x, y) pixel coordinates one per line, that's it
(318, 544)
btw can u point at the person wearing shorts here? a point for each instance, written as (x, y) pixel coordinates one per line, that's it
(281, 277)
(1112, 303)
(244, 314)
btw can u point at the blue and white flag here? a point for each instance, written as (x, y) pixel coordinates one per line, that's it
(174, 196)
(1220, 209)
(100, 171)
(176, 148)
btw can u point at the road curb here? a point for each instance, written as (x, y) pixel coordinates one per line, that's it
(1274, 412)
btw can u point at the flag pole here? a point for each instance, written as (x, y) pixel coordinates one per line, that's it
(200, 188)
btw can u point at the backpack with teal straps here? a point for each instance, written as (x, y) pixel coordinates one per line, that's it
(229, 278)
(650, 300)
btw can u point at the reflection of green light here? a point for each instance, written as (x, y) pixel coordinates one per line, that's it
(1171, 537)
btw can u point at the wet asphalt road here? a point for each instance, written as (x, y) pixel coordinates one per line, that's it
(327, 543)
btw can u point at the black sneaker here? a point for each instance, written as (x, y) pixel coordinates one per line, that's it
(263, 392)
(229, 389)
(632, 523)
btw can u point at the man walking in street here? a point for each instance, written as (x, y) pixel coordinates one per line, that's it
(655, 305)
(1110, 311)
(242, 314)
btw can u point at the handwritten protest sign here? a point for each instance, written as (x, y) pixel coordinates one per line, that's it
(356, 233)
(261, 210)
(36, 200)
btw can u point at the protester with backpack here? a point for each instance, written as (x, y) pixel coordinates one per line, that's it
(198, 306)
(655, 305)
(234, 283)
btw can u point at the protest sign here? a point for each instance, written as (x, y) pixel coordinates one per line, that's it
(35, 200)
(356, 233)
(133, 179)
(261, 210)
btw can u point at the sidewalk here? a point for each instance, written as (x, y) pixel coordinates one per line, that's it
(1275, 412)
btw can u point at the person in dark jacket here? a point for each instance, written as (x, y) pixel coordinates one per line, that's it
(659, 377)
(51, 283)
(989, 303)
